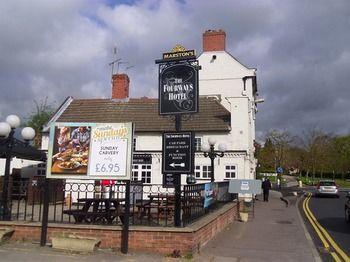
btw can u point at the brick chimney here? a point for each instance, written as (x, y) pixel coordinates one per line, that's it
(214, 40)
(120, 86)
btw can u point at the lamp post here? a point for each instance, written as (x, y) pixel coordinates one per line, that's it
(7, 131)
(209, 151)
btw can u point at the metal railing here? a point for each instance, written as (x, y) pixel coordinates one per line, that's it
(150, 204)
(198, 200)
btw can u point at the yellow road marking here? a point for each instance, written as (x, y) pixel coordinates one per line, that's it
(342, 254)
(335, 257)
(324, 241)
(328, 237)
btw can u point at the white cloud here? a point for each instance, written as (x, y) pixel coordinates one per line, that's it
(62, 48)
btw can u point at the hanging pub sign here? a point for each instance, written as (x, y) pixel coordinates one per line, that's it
(178, 89)
(90, 151)
(178, 82)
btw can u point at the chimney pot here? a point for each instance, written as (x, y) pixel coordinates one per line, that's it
(120, 86)
(214, 40)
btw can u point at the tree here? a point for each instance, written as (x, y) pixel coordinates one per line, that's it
(342, 149)
(319, 152)
(39, 117)
(281, 141)
(265, 156)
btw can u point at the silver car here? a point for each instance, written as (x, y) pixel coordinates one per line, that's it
(327, 188)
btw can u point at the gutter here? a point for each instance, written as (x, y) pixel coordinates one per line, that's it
(57, 114)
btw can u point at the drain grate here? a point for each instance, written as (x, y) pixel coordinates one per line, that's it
(284, 222)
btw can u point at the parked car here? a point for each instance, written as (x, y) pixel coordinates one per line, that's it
(327, 188)
(347, 208)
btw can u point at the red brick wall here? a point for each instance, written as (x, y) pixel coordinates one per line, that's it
(120, 86)
(214, 40)
(160, 240)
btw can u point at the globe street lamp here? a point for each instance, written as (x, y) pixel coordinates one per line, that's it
(209, 151)
(7, 131)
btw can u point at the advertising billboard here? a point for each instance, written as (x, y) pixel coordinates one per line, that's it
(90, 151)
(210, 194)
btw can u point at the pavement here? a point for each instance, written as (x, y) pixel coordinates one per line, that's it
(32, 252)
(274, 232)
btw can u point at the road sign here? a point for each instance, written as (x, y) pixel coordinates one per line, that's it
(279, 170)
(178, 152)
(178, 89)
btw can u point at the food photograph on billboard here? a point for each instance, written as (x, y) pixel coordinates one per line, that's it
(90, 150)
(70, 150)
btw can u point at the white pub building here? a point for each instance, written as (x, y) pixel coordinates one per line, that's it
(227, 108)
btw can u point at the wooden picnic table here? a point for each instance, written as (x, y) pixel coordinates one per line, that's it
(163, 204)
(97, 210)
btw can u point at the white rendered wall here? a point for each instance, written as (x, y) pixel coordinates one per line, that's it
(222, 75)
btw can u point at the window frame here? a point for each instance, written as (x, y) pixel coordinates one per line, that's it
(142, 172)
(201, 170)
(231, 169)
(198, 148)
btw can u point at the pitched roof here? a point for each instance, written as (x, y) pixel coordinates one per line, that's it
(143, 112)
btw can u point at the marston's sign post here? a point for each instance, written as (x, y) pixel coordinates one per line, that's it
(178, 94)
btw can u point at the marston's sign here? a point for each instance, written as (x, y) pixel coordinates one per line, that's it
(188, 54)
(178, 153)
(178, 89)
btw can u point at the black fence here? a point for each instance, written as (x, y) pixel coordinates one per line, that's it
(91, 202)
(198, 201)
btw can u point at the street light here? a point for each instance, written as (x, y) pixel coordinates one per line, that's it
(7, 131)
(209, 151)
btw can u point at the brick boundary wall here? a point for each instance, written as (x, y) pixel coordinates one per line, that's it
(187, 240)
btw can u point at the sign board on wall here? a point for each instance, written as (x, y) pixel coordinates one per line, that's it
(90, 151)
(210, 194)
(178, 89)
(178, 151)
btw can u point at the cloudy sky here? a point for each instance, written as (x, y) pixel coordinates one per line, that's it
(60, 48)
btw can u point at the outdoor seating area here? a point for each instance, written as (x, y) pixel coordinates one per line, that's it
(150, 204)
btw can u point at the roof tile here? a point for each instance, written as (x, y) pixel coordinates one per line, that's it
(143, 112)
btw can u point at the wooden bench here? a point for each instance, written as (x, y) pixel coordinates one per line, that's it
(93, 216)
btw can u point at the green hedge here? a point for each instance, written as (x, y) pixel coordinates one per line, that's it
(327, 175)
